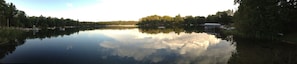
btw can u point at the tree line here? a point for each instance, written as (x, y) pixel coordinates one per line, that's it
(118, 23)
(12, 17)
(265, 18)
(223, 17)
(103, 24)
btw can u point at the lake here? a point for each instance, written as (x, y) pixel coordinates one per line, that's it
(140, 46)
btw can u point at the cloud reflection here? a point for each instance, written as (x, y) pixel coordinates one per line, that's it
(189, 48)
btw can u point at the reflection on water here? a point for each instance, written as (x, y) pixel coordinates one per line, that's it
(139, 46)
(264, 52)
(9, 39)
(187, 48)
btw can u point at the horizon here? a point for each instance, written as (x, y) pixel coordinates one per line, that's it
(119, 10)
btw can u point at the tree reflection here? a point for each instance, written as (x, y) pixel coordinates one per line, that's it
(9, 40)
(263, 52)
(50, 33)
(152, 45)
(187, 29)
(156, 30)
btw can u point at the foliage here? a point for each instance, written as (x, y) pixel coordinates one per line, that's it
(9, 34)
(50, 22)
(224, 17)
(265, 18)
(155, 21)
(11, 17)
(118, 23)
(9, 39)
(190, 20)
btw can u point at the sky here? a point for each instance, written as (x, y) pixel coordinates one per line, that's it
(113, 10)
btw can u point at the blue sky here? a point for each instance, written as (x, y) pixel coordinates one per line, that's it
(109, 10)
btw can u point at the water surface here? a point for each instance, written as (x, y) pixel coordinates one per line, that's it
(138, 46)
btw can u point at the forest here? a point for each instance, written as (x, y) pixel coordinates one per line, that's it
(10, 16)
(222, 17)
(265, 18)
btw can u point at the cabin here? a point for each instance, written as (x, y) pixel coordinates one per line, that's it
(212, 28)
(211, 25)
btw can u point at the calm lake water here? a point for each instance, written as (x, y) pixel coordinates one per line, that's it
(141, 46)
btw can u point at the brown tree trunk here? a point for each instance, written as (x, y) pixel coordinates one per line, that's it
(7, 22)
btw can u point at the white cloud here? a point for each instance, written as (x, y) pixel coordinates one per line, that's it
(143, 47)
(106, 10)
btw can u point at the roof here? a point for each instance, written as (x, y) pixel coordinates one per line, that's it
(213, 24)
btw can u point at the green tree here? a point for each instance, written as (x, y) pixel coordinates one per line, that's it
(258, 18)
(3, 7)
(288, 13)
(153, 20)
(190, 20)
(200, 19)
(167, 20)
(178, 19)
(224, 17)
(10, 13)
(20, 19)
(212, 18)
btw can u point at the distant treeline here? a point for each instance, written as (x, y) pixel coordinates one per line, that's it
(118, 23)
(94, 24)
(50, 22)
(224, 17)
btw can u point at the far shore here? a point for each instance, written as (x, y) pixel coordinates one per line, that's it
(38, 28)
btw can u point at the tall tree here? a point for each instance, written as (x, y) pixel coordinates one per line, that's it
(288, 14)
(224, 17)
(258, 18)
(10, 13)
(20, 19)
(3, 7)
